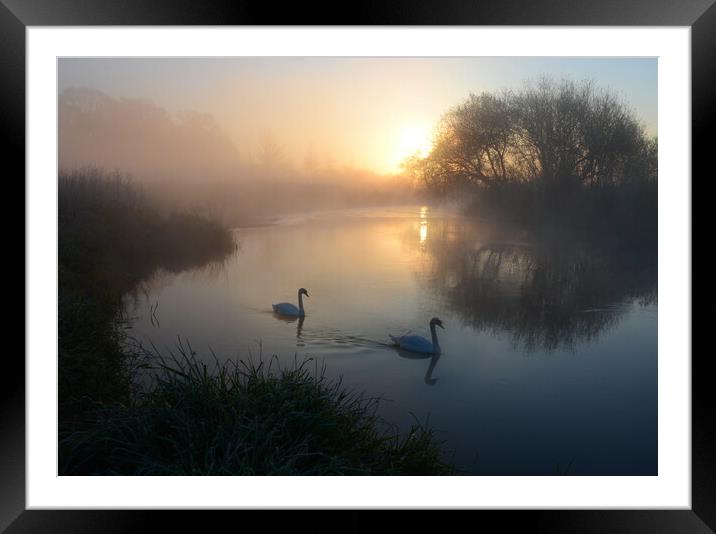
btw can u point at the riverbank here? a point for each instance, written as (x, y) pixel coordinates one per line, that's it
(609, 215)
(110, 237)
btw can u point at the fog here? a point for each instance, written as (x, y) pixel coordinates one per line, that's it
(252, 137)
(188, 160)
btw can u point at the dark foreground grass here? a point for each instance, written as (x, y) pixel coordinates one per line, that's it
(245, 419)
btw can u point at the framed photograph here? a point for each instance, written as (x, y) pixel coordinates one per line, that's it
(412, 260)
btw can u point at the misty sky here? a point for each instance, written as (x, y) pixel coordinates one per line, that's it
(366, 113)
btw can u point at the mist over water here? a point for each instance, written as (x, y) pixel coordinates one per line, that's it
(188, 161)
(549, 356)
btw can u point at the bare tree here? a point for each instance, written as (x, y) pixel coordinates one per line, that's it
(559, 134)
(550, 152)
(271, 153)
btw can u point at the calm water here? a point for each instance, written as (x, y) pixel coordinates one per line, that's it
(549, 360)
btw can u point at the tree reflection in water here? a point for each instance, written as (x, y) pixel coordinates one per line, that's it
(549, 293)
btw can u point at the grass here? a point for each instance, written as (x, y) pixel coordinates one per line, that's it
(244, 418)
(111, 236)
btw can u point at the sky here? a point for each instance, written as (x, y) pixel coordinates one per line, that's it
(366, 113)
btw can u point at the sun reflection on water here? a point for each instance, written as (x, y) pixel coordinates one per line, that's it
(423, 225)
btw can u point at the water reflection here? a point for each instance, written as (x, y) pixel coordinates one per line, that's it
(299, 325)
(429, 380)
(546, 294)
(423, 232)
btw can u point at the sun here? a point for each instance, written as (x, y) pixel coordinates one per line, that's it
(413, 140)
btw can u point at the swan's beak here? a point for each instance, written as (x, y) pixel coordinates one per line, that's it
(441, 326)
(307, 294)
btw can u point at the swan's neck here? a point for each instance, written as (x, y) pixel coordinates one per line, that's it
(300, 302)
(434, 335)
(429, 374)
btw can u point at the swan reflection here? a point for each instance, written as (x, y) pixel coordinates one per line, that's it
(299, 325)
(409, 355)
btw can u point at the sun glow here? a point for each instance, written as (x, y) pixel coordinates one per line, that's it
(413, 140)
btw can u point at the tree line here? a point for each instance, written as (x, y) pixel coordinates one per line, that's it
(550, 151)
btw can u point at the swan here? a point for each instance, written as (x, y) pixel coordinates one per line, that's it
(419, 343)
(286, 308)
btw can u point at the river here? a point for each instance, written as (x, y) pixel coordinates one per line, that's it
(549, 352)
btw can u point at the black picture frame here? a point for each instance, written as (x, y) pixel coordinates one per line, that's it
(16, 15)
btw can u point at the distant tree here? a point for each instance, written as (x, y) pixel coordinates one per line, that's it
(140, 137)
(472, 144)
(271, 153)
(577, 133)
(310, 160)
